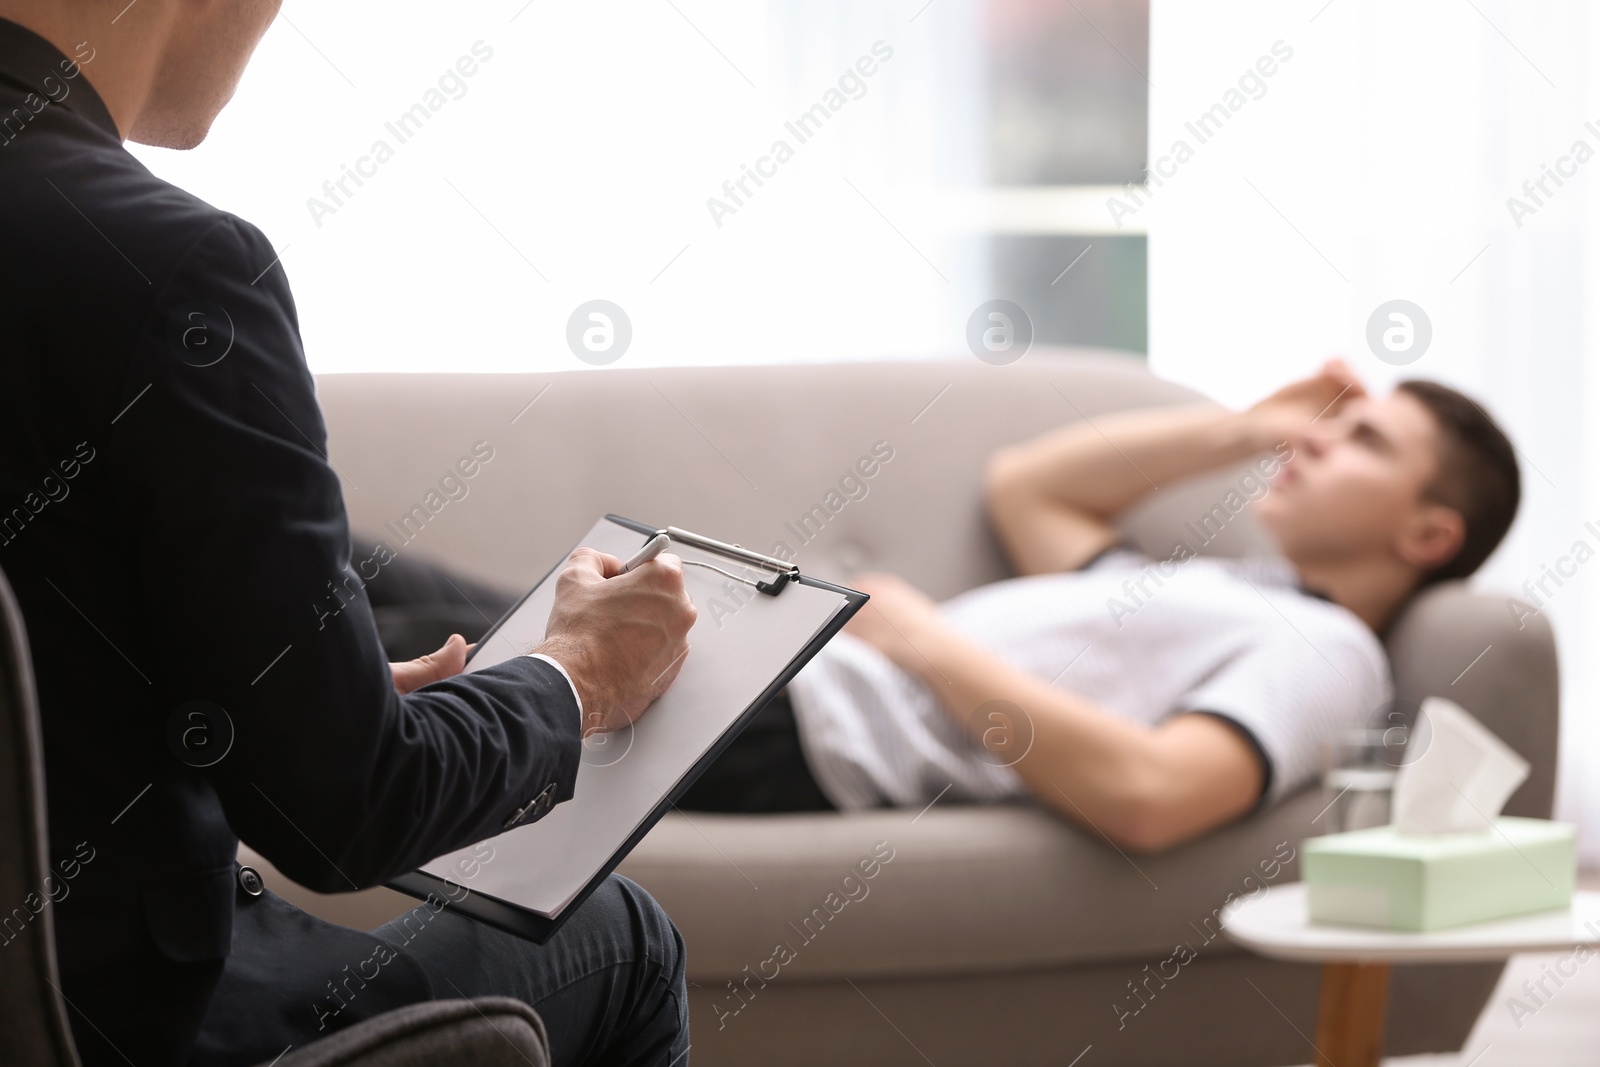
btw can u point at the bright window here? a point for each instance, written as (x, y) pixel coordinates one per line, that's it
(446, 184)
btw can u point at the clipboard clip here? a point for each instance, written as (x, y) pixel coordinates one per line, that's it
(784, 573)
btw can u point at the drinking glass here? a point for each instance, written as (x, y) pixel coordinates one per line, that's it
(1358, 773)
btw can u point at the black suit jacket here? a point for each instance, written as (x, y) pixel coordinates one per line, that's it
(174, 532)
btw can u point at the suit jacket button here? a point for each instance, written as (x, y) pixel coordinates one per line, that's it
(546, 800)
(250, 881)
(515, 819)
(533, 809)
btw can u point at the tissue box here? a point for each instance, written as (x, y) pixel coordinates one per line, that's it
(1378, 877)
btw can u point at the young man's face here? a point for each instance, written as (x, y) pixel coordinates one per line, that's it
(1355, 486)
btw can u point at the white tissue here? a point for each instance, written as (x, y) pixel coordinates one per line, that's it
(1463, 777)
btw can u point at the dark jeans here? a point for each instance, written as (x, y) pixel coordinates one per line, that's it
(418, 605)
(609, 985)
(763, 771)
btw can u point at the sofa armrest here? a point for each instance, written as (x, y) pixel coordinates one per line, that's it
(1496, 661)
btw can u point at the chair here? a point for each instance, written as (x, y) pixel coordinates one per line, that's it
(486, 1032)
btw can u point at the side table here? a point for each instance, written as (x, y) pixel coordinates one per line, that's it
(1356, 960)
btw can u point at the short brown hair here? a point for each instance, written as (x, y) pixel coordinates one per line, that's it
(1477, 475)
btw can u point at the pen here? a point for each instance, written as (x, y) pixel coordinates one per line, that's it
(650, 551)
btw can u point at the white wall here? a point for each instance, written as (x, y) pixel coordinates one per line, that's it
(1377, 166)
(591, 141)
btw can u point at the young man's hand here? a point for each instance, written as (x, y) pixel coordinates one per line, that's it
(895, 620)
(1288, 414)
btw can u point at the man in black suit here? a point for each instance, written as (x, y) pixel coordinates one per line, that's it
(173, 529)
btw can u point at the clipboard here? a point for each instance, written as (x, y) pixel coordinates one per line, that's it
(760, 620)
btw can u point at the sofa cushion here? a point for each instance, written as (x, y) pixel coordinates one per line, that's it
(967, 889)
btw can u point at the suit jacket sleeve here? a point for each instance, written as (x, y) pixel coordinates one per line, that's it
(238, 532)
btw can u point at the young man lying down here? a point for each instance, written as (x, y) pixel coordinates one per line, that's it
(1148, 699)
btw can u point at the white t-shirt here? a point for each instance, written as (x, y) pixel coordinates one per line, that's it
(1143, 639)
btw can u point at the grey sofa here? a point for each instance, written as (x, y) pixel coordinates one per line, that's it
(994, 935)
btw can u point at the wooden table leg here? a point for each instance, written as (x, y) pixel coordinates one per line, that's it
(1350, 1015)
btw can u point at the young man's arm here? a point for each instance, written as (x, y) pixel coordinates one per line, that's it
(1143, 788)
(1052, 500)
